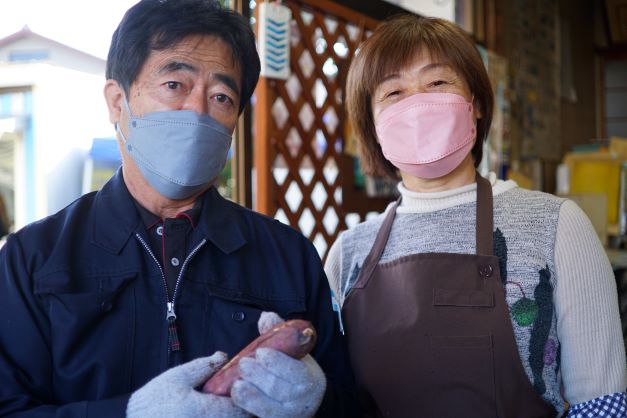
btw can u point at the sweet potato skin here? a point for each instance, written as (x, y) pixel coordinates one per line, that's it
(296, 338)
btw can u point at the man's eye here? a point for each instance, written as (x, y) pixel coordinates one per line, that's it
(173, 85)
(223, 98)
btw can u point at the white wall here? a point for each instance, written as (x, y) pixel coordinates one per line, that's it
(58, 54)
(68, 111)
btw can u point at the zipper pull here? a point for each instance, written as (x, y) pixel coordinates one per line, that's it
(173, 337)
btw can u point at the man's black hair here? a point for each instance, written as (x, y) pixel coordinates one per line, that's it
(160, 24)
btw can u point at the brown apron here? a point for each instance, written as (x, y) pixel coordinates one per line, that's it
(430, 334)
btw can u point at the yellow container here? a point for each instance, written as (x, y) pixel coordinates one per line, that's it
(597, 173)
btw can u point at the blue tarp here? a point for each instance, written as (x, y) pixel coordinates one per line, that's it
(105, 151)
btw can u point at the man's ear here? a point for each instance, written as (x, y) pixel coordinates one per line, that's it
(114, 96)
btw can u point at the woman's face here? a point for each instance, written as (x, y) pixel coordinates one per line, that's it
(421, 75)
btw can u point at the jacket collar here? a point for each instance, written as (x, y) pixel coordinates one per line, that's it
(219, 222)
(116, 218)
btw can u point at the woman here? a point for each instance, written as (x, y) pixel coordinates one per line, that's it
(469, 297)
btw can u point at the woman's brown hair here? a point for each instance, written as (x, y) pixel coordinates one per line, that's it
(392, 46)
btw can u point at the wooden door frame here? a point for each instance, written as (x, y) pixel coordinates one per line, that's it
(603, 57)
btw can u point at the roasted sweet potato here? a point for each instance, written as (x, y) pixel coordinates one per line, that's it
(296, 338)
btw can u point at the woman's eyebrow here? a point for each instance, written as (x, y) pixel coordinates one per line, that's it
(389, 77)
(427, 68)
(436, 66)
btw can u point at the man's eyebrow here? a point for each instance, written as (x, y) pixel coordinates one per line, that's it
(174, 66)
(229, 81)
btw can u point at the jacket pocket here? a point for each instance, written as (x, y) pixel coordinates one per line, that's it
(234, 317)
(91, 333)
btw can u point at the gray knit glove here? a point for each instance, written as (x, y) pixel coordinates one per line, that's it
(172, 393)
(275, 385)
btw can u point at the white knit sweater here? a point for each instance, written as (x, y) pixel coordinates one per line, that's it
(537, 236)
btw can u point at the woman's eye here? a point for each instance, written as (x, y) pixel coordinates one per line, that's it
(391, 94)
(437, 83)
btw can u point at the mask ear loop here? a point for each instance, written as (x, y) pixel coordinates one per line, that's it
(119, 131)
(472, 103)
(130, 114)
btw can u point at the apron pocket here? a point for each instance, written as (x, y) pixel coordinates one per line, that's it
(462, 376)
(481, 341)
(468, 298)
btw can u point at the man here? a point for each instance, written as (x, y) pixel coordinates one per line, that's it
(112, 305)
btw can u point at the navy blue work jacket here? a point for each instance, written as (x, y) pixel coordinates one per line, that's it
(83, 303)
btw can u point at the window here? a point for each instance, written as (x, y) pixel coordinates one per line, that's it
(34, 55)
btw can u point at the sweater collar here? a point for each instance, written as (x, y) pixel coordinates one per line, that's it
(416, 202)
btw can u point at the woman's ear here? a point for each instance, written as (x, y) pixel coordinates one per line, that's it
(114, 95)
(476, 109)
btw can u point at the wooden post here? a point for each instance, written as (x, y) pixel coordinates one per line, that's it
(263, 155)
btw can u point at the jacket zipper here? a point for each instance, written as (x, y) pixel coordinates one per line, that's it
(174, 343)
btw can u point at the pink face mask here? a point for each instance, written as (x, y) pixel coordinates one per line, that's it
(428, 134)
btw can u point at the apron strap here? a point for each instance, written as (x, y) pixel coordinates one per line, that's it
(376, 251)
(483, 227)
(485, 222)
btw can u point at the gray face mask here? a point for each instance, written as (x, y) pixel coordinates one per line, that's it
(178, 151)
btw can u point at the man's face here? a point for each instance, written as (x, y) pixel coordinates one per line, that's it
(199, 74)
